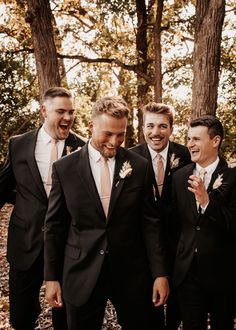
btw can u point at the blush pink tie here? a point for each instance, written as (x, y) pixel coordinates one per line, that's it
(160, 173)
(105, 185)
(53, 158)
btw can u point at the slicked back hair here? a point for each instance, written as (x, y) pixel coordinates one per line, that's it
(159, 108)
(114, 106)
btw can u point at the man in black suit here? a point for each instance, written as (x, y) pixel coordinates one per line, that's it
(205, 199)
(106, 245)
(25, 174)
(157, 128)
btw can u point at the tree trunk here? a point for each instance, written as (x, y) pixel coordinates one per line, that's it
(141, 46)
(157, 52)
(206, 56)
(39, 16)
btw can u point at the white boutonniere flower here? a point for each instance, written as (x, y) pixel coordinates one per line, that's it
(125, 171)
(218, 182)
(232, 162)
(174, 162)
(69, 149)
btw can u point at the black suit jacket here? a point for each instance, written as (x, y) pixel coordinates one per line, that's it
(164, 202)
(77, 232)
(20, 178)
(213, 233)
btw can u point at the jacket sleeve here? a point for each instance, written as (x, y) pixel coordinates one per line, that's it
(7, 182)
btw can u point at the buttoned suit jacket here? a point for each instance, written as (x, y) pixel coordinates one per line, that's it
(182, 156)
(212, 233)
(77, 233)
(20, 181)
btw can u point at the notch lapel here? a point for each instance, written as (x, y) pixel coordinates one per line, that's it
(117, 181)
(30, 156)
(86, 176)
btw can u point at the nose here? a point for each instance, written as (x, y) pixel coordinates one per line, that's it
(155, 130)
(190, 143)
(67, 116)
(113, 140)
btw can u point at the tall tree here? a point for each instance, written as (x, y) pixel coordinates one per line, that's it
(206, 57)
(39, 16)
(157, 52)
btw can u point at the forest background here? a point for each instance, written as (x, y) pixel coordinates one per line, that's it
(177, 52)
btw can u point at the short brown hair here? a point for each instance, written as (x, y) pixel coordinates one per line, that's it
(55, 92)
(159, 108)
(114, 106)
(212, 123)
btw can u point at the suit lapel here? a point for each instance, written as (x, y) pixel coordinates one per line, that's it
(191, 197)
(222, 165)
(86, 176)
(30, 156)
(117, 181)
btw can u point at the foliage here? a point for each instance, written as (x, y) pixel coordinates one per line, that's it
(97, 42)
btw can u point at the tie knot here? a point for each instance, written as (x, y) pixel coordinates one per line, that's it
(159, 157)
(54, 141)
(202, 173)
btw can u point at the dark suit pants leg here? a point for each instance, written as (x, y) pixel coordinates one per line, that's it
(197, 301)
(24, 287)
(59, 320)
(173, 318)
(90, 315)
(138, 314)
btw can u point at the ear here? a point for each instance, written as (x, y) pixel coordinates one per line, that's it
(216, 141)
(171, 129)
(43, 111)
(90, 125)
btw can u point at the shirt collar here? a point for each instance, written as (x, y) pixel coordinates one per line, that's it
(210, 168)
(163, 153)
(46, 138)
(94, 154)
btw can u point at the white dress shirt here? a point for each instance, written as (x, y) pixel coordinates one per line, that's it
(209, 171)
(95, 163)
(207, 178)
(43, 151)
(164, 155)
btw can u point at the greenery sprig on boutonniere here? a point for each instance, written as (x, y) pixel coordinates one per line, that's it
(125, 171)
(69, 149)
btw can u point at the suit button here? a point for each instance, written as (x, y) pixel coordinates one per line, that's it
(102, 252)
(198, 228)
(42, 228)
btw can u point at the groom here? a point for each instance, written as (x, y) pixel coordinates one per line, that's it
(106, 241)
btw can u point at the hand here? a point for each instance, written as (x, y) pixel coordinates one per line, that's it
(160, 291)
(53, 294)
(197, 187)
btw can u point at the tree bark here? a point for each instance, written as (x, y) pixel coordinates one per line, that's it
(141, 46)
(157, 52)
(206, 56)
(39, 16)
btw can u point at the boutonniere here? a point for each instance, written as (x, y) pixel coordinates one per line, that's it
(125, 171)
(70, 149)
(218, 182)
(232, 162)
(174, 162)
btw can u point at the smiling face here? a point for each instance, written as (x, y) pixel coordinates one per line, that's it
(203, 148)
(157, 130)
(108, 133)
(59, 114)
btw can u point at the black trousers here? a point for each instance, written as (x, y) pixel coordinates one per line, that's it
(173, 316)
(197, 301)
(132, 313)
(24, 289)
